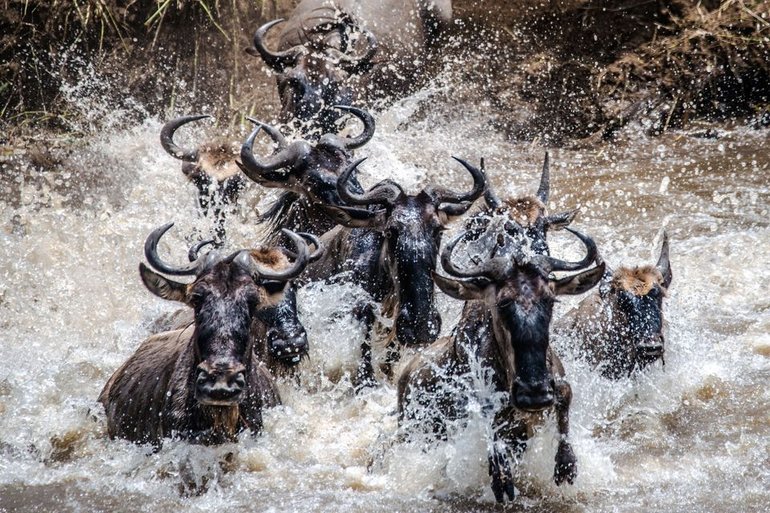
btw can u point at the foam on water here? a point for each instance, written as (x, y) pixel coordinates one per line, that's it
(692, 436)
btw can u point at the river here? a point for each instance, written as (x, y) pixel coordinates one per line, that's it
(690, 436)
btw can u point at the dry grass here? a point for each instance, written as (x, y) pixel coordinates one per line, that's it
(144, 56)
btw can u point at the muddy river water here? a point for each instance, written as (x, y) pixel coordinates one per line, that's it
(692, 436)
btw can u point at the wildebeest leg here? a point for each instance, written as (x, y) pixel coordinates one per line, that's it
(364, 313)
(500, 471)
(509, 434)
(392, 355)
(566, 462)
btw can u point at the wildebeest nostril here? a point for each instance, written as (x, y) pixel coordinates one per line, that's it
(533, 396)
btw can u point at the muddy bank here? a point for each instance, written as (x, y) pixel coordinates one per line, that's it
(558, 71)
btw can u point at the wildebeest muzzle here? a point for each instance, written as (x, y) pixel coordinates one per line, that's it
(220, 383)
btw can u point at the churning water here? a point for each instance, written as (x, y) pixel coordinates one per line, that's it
(691, 436)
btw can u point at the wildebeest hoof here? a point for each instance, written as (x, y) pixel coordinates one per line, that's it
(502, 478)
(566, 464)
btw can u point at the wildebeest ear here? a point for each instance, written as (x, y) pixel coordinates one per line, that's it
(664, 264)
(562, 219)
(161, 286)
(462, 290)
(352, 217)
(579, 283)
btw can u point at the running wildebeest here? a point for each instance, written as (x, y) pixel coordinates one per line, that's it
(309, 172)
(619, 328)
(505, 328)
(211, 168)
(332, 52)
(529, 212)
(203, 383)
(281, 343)
(392, 252)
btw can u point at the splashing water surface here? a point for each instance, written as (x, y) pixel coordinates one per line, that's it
(691, 436)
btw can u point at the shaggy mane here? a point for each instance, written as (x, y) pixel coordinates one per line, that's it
(524, 210)
(637, 280)
(270, 257)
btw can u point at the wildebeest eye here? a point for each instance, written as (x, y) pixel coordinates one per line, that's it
(196, 299)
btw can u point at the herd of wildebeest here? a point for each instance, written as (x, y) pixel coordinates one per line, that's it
(211, 373)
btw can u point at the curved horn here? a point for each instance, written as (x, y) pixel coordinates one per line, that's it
(167, 138)
(277, 61)
(312, 239)
(490, 198)
(351, 143)
(664, 264)
(294, 270)
(315, 241)
(255, 169)
(494, 268)
(192, 255)
(549, 263)
(273, 132)
(384, 193)
(151, 253)
(444, 195)
(545, 182)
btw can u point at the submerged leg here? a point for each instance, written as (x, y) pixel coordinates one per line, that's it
(500, 472)
(364, 378)
(566, 462)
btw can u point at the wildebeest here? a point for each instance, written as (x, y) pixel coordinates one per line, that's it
(334, 52)
(619, 328)
(280, 339)
(504, 327)
(202, 383)
(493, 225)
(392, 251)
(210, 167)
(309, 172)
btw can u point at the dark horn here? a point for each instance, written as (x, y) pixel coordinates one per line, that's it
(351, 143)
(545, 182)
(151, 253)
(192, 255)
(444, 195)
(273, 132)
(277, 61)
(290, 272)
(255, 169)
(167, 138)
(384, 193)
(494, 268)
(664, 264)
(490, 198)
(315, 241)
(549, 263)
(312, 239)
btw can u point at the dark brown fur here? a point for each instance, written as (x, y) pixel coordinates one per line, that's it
(619, 328)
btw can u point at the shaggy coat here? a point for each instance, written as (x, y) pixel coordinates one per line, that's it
(620, 328)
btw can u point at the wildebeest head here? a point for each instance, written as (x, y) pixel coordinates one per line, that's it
(210, 167)
(527, 212)
(226, 295)
(411, 226)
(520, 291)
(316, 75)
(308, 169)
(635, 298)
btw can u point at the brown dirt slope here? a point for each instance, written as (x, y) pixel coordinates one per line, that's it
(556, 70)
